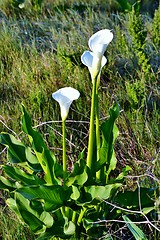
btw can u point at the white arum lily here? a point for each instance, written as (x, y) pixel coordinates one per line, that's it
(98, 43)
(87, 59)
(65, 96)
(95, 60)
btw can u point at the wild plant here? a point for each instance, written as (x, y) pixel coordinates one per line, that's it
(36, 4)
(128, 5)
(138, 33)
(156, 27)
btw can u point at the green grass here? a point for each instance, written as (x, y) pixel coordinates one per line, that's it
(11, 228)
(40, 52)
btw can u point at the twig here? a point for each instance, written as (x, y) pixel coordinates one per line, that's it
(9, 129)
(133, 211)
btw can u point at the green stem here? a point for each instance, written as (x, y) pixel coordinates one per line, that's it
(81, 216)
(98, 142)
(63, 211)
(74, 217)
(91, 130)
(67, 211)
(64, 146)
(99, 174)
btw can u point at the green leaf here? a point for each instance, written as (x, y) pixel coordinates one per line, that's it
(136, 231)
(47, 235)
(92, 195)
(121, 176)
(62, 228)
(93, 225)
(46, 218)
(131, 198)
(6, 184)
(148, 209)
(75, 193)
(79, 175)
(53, 196)
(102, 192)
(69, 227)
(109, 135)
(37, 222)
(91, 216)
(18, 152)
(13, 205)
(33, 221)
(45, 157)
(124, 173)
(88, 223)
(19, 175)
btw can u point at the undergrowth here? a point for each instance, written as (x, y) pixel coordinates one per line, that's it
(40, 52)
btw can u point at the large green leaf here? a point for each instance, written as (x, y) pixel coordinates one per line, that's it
(92, 222)
(91, 195)
(131, 198)
(35, 224)
(36, 221)
(75, 193)
(18, 152)
(19, 175)
(102, 192)
(47, 235)
(53, 196)
(45, 157)
(62, 228)
(69, 227)
(94, 229)
(136, 231)
(11, 202)
(6, 184)
(79, 175)
(109, 134)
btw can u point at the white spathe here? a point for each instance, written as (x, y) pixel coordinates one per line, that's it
(94, 59)
(65, 96)
(87, 59)
(99, 41)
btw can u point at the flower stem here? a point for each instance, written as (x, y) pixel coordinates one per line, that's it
(98, 142)
(64, 146)
(91, 130)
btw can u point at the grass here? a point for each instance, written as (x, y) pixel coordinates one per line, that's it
(40, 52)
(11, 228)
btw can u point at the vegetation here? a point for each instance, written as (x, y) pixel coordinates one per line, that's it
(40, 52)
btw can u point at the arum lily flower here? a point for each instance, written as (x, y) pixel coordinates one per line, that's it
(87, 59)
(95, 60)
(98, 43)
(65, 96)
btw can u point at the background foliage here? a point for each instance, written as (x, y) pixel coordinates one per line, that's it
(40, 49)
